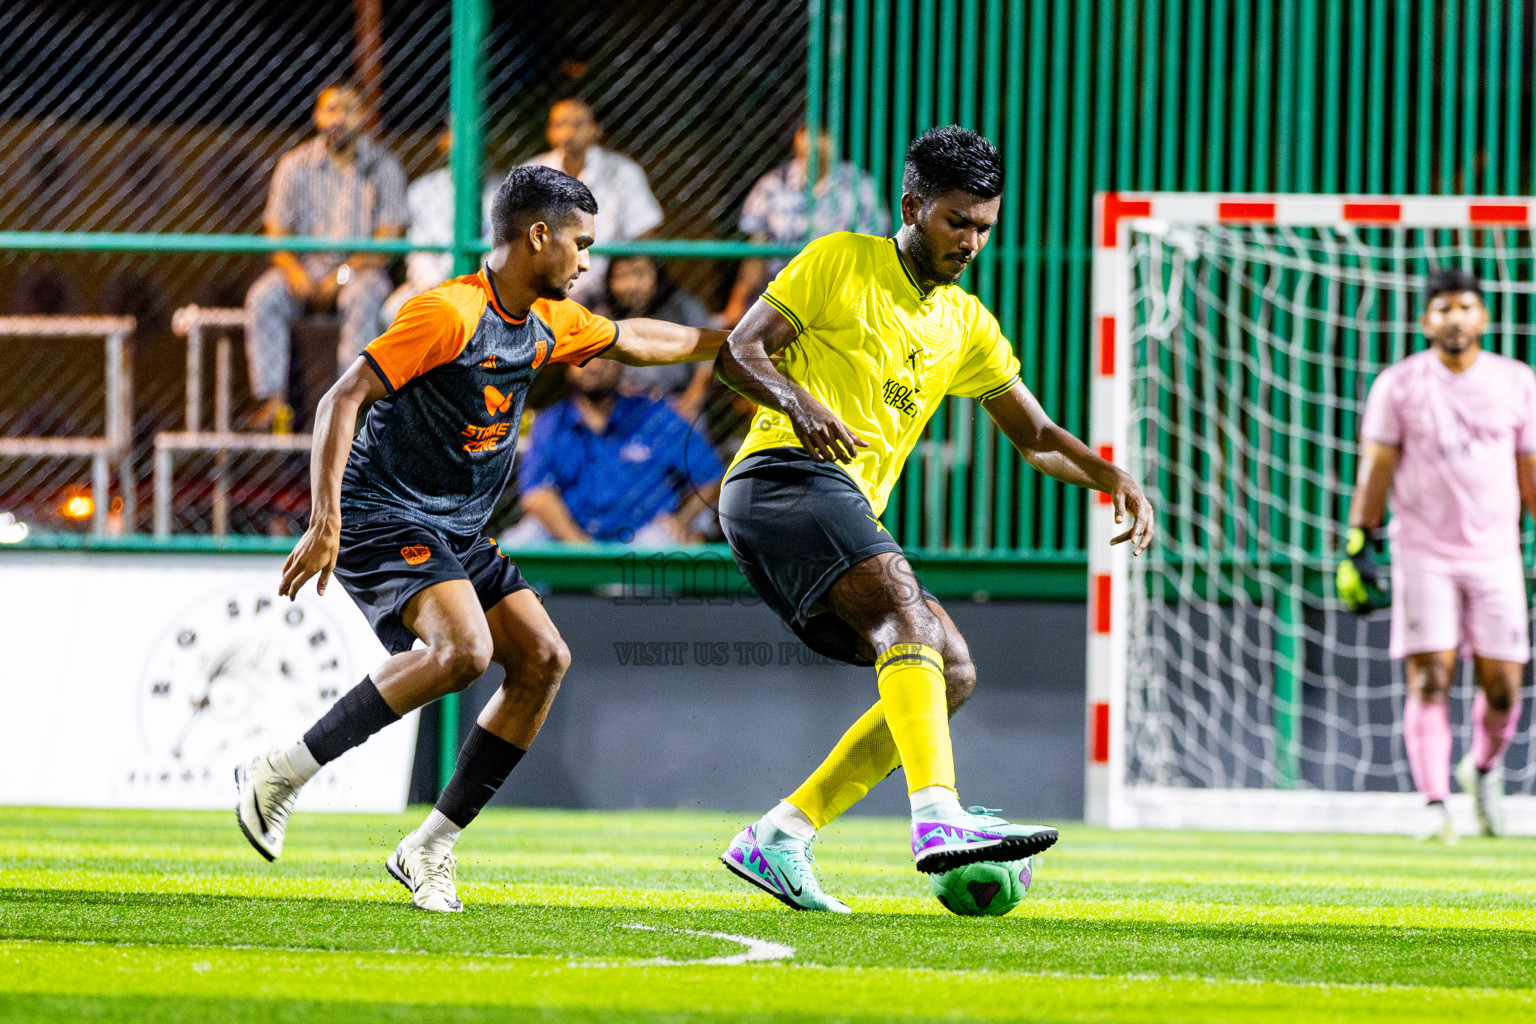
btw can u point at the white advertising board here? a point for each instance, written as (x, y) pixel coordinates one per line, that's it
(142, 680)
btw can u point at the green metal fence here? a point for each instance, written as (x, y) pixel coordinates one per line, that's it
(1080, 95)
(1083, 95)
(137, 143)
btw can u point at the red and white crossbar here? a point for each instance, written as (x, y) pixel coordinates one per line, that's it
(1310, 210)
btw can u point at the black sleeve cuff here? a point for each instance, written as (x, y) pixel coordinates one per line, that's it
(605, 348)
(788, 314)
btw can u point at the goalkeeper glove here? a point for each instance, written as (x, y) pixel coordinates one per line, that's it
(1357, 580)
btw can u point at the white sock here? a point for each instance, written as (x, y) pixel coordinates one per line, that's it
(298, 762)
(788, 819)
(438, 830)
(936, 803)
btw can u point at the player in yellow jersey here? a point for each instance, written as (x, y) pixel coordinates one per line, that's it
(869, 335)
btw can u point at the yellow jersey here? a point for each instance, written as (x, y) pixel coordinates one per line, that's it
(878, 352)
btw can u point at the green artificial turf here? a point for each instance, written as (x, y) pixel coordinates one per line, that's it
(118, 915)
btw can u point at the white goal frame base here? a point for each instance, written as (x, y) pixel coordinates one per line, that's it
(1301, 810)
(1109, 799)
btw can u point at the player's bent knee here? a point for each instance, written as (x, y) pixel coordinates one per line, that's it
(1430, 690)
(550, 659)
(910, 625)
(1431, 686)
(546, 659)
(464, 661)
(959, 683)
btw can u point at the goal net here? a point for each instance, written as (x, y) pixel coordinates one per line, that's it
(1237, 338)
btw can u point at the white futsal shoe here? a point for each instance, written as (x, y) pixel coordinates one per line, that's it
(1441, 828)
(428, 872)
(265, 796)
(1487, 790)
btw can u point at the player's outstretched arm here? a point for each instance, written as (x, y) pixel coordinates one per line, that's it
(1056, 452)
(656, 342)
(335, 421)
(744, 366)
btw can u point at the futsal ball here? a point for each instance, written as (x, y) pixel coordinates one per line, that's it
(984, 889)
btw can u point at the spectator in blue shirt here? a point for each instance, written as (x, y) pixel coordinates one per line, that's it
(602, 466)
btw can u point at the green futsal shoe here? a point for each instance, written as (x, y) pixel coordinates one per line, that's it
(785, 870)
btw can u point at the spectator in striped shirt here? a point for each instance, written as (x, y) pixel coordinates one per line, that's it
(846, 199)
(340, 184)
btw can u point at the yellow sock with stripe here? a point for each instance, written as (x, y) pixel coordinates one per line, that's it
(911, 679)
(863, 756)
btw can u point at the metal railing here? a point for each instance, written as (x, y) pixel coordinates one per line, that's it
(191, 321)
(110, 450)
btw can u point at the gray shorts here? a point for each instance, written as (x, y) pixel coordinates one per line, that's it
(794, 526)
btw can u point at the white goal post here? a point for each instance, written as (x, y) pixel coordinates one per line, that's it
(1234, 339)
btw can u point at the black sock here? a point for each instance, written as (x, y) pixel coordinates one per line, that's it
(484, 764)
(360, 713)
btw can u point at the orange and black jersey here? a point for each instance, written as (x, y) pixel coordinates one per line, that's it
(438, 448)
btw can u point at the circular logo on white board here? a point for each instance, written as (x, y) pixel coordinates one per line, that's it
(234, 675)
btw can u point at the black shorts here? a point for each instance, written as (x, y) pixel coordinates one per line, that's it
(794, 526)
(384, 564)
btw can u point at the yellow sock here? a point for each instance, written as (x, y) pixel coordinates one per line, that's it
(865, 755)
(911, 678)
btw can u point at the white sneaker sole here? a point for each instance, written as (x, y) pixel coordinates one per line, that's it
(242, 783)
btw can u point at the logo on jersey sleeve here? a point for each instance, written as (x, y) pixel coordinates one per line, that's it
(415, 554)
(496, 402)
(540, 350)
(488, 363)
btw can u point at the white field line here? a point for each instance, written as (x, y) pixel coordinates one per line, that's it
(757, 950)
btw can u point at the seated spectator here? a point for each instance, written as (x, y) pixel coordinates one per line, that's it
(626, 208)
(606, 467)
(638, 286)
(340, 184)
(430, 202)
(846, 199)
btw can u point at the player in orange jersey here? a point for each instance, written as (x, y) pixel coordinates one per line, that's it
(398, 513)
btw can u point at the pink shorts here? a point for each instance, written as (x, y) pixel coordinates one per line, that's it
(1444, 604)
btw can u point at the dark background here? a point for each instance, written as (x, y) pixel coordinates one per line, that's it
(739, 738)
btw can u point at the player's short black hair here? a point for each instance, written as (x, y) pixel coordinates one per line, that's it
(1451, 279)
(952, 159)
(537, 193)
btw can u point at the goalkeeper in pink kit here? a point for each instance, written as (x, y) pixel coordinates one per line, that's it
(1452, 432)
